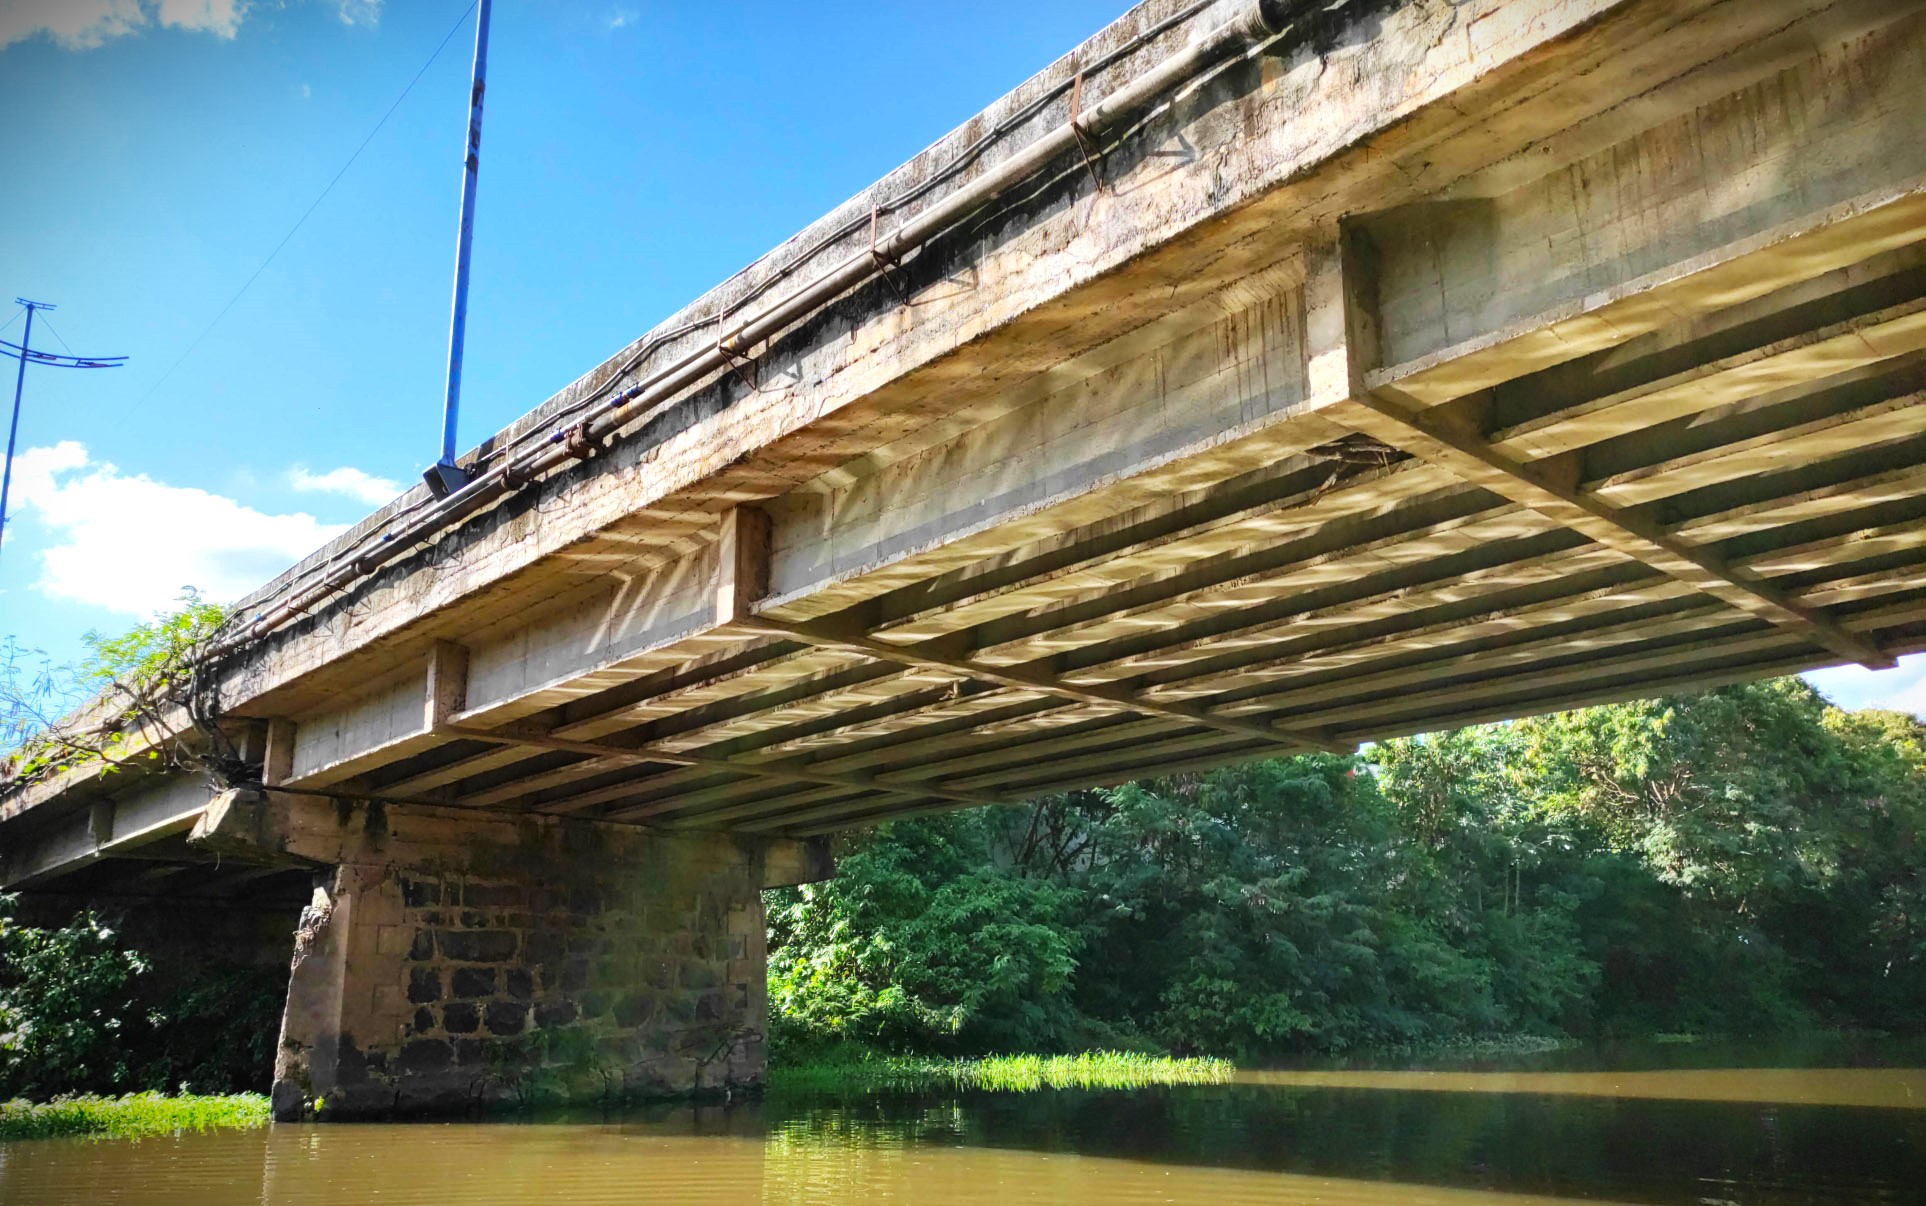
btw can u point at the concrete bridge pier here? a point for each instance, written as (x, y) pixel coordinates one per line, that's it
(449, 960)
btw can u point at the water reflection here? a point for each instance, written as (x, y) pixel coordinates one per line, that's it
(1877, 1088)
(515, 1167)
(1497, 1137)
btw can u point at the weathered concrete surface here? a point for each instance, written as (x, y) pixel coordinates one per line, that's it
(1431, 362)
(1013, 493)
(448, 961)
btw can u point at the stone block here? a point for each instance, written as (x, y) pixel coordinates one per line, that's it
(494, 895)
(633, 1010)
(549, 1014)
(390, 1001)
(424, 985)
(505, 1017)
(541, 946)
(477, 946)
(520, 984)
(460, 1017)
(426, 1055)
(468, 983)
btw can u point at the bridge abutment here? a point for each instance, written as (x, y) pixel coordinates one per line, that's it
(449, 961)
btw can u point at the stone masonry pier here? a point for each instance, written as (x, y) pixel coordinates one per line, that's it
(448, 960)
(1261, 377)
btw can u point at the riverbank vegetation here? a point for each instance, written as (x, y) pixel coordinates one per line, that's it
(83, 1011)
(133, 1116)
(870, 1071)
(1745, 860)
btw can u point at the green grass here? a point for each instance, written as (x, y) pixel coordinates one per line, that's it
(131, 1117)
(1000, 1073)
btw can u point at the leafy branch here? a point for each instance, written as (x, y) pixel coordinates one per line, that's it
(150, 695)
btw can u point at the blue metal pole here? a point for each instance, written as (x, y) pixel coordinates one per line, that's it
(458, 320)
(13, 430)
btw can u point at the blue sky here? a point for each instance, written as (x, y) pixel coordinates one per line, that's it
(634, 154)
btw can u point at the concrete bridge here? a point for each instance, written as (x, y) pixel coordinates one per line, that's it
(1259, 378)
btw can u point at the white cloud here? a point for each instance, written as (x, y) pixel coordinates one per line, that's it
(352, 483)
(358, 12)
(1901, 689)
(85, 24)
(218, 17)
(621, 17)
(129, 543)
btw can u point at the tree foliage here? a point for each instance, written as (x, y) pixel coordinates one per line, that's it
(83, 1011)
(1743, 859)
(66, 1001)
(145, 693)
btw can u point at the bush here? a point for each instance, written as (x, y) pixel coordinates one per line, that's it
(67, 1006)
(80, 1012)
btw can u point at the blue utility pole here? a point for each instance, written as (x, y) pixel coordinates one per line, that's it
(443, 476)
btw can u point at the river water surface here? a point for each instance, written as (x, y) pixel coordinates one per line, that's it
(1696, 1125)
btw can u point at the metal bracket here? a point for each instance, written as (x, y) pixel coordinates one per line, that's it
(1086, 141)
(737, 363)
(579, 443)
(885, 262)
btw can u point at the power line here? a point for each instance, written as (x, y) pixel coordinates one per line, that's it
(54, 333)
(305, 214)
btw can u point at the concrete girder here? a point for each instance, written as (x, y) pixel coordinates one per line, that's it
(1653, 258)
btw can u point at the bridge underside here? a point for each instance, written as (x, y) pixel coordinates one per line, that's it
(1465, 362)
(1613, 393)
(1651, 421)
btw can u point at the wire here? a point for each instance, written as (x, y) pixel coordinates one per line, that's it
(14, 319)
(50, 330)
(307, 213)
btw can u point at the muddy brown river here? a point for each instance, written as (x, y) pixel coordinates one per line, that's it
(1705, 1126)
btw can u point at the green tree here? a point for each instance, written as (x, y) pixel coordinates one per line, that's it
(1741, 859)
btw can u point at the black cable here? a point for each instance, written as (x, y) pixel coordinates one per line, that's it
(443, 45)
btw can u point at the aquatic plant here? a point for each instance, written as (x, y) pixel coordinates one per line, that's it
(133, 1116)
(1000, 1073)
